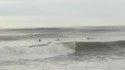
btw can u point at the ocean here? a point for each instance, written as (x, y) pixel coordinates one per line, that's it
(69, 48)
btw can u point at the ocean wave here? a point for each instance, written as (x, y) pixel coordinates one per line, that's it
(29, 36)
(34, 52)
(100, 48)
(42, 51)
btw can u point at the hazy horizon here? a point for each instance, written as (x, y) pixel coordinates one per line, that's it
(109, 26)
(58, 13)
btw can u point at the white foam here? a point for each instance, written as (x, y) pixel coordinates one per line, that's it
(37, 52)
(74, 65)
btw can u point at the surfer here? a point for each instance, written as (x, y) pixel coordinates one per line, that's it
(39, 40)
(58, 39)
(88, 38)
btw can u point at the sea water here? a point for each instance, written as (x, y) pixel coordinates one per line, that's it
(74, 48)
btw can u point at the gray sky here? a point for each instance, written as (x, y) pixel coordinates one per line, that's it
(54, 13)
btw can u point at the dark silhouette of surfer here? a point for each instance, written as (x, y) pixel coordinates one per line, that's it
(57, 40)
(88, 38)
(39, 40)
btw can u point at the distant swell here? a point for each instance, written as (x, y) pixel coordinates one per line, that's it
(100, 48)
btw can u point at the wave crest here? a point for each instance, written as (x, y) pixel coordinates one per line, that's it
(36, 52)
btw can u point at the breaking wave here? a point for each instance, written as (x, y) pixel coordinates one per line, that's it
(34, 52)
(42, 51)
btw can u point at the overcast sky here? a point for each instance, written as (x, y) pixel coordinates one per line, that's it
(54, 13)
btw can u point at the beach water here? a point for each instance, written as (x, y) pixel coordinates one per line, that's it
(74, 48)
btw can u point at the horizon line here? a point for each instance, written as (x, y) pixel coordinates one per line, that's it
(61, 27)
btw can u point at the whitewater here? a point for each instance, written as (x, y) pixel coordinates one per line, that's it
(74, 48)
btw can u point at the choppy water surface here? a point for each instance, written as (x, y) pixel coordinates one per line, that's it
(78, 48)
